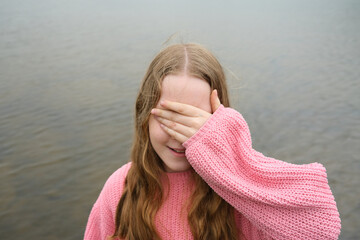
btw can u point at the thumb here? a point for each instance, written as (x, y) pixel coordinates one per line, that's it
(214, 101)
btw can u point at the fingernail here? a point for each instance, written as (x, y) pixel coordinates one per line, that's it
(162, 102)
(153, 111)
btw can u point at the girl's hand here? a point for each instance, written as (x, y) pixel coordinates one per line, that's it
(182, 121)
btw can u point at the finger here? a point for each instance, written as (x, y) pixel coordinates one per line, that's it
(183, 130)
(214, 101)
(182, 108)
(177, 136)
(173, 116)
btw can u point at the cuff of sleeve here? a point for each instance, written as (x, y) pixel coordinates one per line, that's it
(205, 128)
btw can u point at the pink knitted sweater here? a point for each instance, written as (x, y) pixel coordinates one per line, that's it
(273, 199)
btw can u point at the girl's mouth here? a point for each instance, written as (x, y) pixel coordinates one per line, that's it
(177, 151)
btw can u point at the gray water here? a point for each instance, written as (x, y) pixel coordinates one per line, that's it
(70, 71)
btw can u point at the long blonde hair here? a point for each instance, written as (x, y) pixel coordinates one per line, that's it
(208, 213)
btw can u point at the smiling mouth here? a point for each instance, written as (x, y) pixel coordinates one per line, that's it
(178, 150)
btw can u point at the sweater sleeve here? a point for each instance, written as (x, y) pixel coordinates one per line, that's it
(281, 200)
(101, 221)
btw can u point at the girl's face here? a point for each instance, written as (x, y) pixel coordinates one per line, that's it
(183, 89)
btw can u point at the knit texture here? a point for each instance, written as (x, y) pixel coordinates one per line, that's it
(273, 199)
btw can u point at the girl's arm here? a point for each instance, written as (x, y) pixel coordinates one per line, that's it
(283, 200)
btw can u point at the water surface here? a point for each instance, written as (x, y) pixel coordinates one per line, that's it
(70, 71)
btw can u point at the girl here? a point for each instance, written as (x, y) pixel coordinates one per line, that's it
(193, 171)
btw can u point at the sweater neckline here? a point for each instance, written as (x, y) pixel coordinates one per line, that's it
(179, 176)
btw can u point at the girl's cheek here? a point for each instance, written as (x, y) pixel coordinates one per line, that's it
(161, 132)
(159, 128)
(156, 130)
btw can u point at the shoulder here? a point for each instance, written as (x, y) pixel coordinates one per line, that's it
(118, 177)
(114, 185)
(101, 219)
